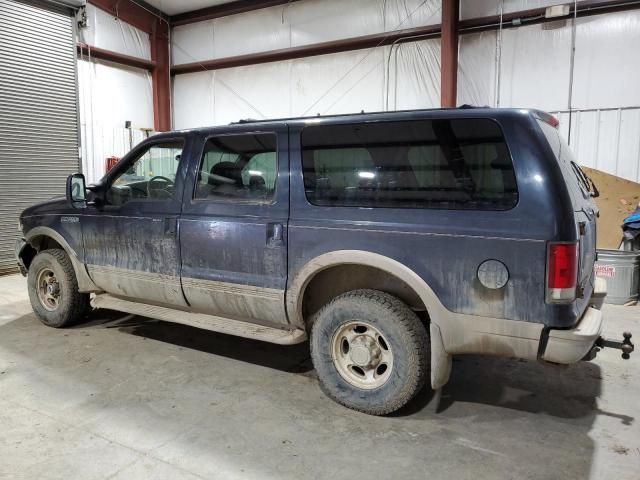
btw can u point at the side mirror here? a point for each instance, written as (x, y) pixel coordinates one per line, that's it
(76, 190)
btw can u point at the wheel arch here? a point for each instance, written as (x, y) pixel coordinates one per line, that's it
(440, 360)
(42, 238)
(358, 258)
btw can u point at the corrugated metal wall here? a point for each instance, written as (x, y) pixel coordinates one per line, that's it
(38, 113)
(606, 139)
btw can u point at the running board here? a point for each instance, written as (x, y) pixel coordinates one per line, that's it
(201, 320)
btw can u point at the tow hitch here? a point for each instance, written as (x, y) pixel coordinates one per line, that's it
(625, 345)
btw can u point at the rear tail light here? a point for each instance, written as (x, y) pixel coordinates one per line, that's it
(562, 272)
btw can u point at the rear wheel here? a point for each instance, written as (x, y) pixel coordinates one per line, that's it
(53, 290)
(371, 352)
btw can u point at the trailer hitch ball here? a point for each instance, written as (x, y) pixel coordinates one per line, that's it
(625, 345)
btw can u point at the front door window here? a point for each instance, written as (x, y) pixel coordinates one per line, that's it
(151, 177)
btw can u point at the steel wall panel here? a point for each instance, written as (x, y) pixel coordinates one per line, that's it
(605, 139)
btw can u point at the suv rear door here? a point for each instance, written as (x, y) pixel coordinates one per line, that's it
(233, 228)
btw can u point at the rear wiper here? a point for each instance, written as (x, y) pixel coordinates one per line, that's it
(588, 181)
(593, 190)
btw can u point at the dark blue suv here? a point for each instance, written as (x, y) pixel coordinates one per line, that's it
(391, 240)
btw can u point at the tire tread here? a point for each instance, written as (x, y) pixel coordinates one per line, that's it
(78, 302)
(417, 337)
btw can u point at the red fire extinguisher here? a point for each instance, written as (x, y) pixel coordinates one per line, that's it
(111, 162)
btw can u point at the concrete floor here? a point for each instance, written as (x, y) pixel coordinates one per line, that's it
(126, 397)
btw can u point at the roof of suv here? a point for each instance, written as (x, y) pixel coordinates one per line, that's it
(463, 111)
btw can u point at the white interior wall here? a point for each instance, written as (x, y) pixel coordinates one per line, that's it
(371, 80)
(477, 69)
(110, 94)
(486, 8)
(106, 31)
(405, 76)
(607, 62)
(535, 72)
(297, 24)
(534, 69)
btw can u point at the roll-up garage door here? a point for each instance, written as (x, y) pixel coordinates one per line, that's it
(38, 111)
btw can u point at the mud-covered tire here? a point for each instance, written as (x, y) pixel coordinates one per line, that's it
(403, 333)
(70, 306)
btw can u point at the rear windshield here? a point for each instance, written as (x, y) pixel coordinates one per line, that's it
(579, 183)
(455, 164)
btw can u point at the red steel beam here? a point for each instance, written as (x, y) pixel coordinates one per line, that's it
(110, 56)
(232, 8)
(335, 46)
(449, 53)
(158, 29)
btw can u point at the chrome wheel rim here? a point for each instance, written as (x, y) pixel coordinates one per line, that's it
(48, 289)
(362, 355)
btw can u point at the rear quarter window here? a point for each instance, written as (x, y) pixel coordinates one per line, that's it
(442, 163)
(574, 177)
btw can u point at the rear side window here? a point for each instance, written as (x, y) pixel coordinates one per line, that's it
(455, 164)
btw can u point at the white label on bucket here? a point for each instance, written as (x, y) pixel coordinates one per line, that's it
(608, 271)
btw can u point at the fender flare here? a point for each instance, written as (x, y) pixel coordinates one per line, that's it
(85, 284)
(440, 359)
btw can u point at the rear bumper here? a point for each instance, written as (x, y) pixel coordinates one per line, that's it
(572, 345)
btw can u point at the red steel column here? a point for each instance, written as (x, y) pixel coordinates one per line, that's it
(158, 30)
(161, 79)
(449, 53)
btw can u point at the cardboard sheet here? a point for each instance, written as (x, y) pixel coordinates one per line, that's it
(618, 199)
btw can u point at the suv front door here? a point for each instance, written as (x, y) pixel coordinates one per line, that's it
(233, 227)
(130, 241)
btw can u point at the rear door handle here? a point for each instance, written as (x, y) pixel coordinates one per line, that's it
(275, 235)
(170, 224)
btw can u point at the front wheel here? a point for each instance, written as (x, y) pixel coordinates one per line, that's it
(53, 290)
(371, 352)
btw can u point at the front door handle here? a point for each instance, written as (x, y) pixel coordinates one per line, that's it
(275, 235)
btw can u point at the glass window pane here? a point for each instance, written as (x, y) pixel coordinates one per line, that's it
(238, 168)
(458, 164)
(151, 177)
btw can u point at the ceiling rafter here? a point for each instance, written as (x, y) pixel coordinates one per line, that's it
(226, 9)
